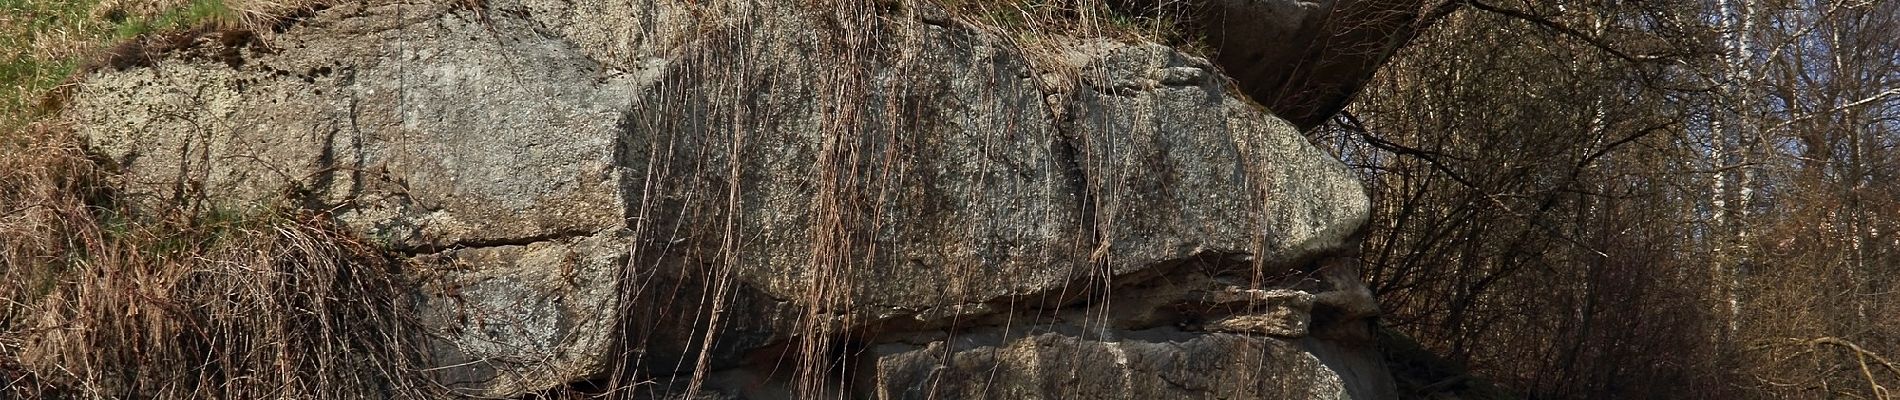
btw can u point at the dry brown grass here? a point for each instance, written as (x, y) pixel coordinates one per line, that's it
(45, 221)
(1127, 18)
(106, 301)
(1029, 22)
(100, 299)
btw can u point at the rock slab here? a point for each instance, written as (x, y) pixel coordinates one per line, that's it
(667, 189)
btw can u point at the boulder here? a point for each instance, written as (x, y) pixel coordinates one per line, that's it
(1303, 59)
(719, 193)
(1156, 364)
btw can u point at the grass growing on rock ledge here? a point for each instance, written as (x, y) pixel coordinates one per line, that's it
(43, 42)
(1032, 20)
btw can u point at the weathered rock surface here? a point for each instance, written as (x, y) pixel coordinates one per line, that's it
(673, 188)
(1155, 364)
(525, 317)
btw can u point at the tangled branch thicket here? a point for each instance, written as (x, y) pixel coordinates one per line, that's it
(1655, 199)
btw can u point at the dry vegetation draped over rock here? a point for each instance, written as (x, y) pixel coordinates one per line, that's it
(663, 199)
(113, 301)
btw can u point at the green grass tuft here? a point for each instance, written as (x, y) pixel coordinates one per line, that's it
(43, 41)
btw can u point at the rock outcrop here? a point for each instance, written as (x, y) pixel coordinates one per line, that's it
(762, 201)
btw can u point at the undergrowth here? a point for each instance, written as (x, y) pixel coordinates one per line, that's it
(108, 300)
(104, 299)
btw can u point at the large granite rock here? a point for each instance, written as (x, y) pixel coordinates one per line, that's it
(678, 190)
(1158, 364)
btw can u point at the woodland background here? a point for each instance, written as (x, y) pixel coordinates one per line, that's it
(1620, 199)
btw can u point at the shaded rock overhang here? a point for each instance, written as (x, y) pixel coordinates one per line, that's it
(1305, 60)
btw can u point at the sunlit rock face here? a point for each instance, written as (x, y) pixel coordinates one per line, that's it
(770, 201)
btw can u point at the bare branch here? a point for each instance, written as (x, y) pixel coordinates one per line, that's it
(1546, 23)
(1877, 97)
(1352, 123)
(1858, 351)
